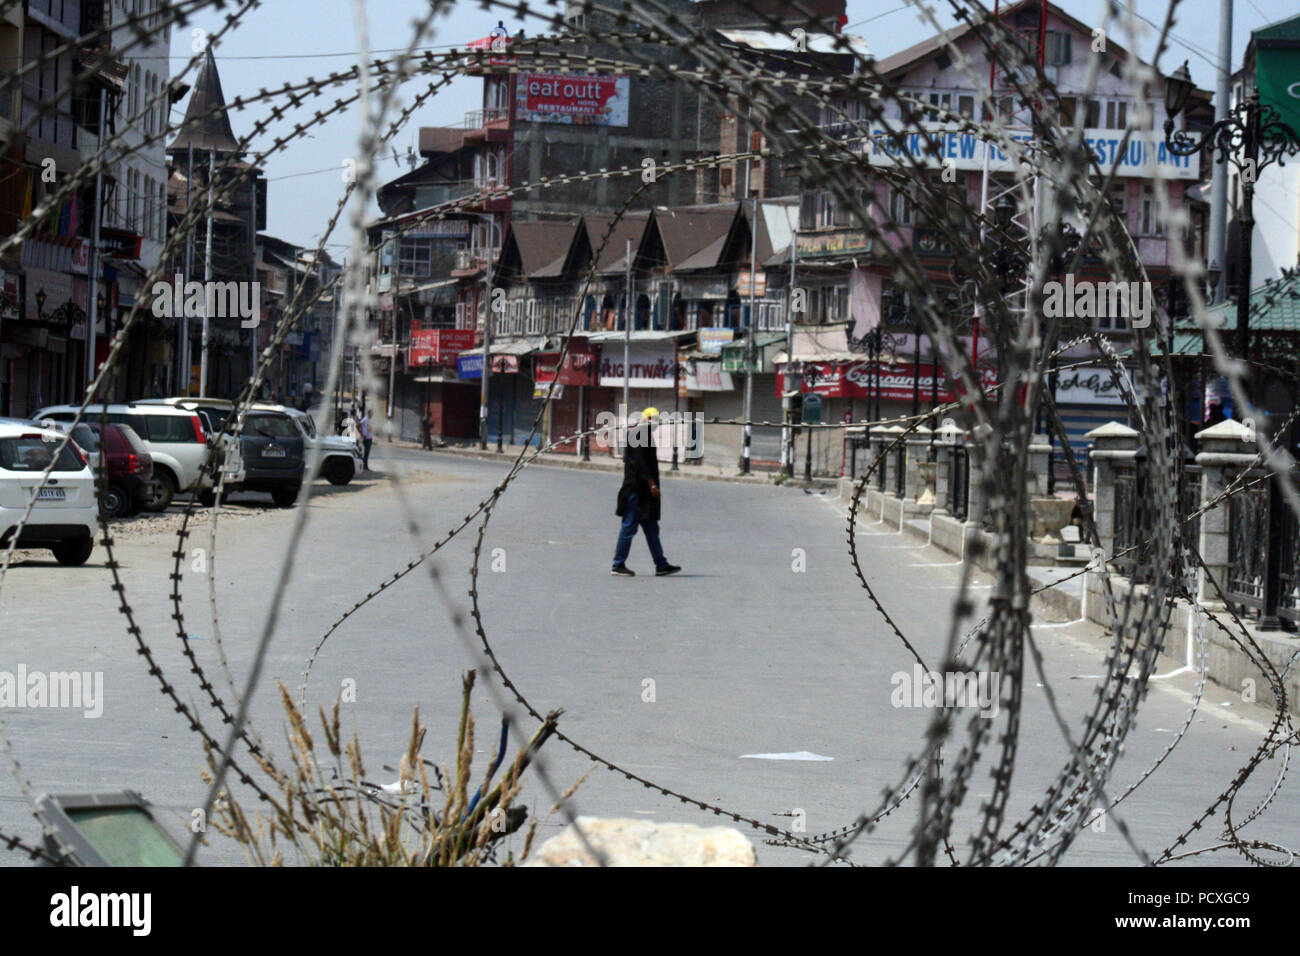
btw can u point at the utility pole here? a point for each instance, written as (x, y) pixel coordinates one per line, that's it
(627, 335)
(787, 433)
(749, 345)
(93, 268)
(184, 344)
(252, 332)
(1219, 181)
(207, 280)
(485, 383)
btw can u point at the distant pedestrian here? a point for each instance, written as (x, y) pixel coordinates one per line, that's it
(638, 498)
(367, 436)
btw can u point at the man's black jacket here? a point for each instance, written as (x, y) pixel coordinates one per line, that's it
(640, 467)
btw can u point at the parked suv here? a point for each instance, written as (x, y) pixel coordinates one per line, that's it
(173, 436)
(213, 413)
(340, 458)
(127, 482)
(271, 447)
(64, 515)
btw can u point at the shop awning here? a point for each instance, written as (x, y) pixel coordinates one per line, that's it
(643, 335)
(515, 347)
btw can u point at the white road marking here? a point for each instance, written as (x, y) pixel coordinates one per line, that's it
(797, 755)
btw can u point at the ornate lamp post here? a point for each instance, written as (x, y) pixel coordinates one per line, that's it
(1250, 137)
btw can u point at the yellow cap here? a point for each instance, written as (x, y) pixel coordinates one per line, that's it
(650, 412)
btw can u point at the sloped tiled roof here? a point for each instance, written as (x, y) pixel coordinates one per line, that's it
(694, 238)
(612, 256)
(543, 246)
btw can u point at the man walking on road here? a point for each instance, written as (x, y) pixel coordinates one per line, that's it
(638, 498)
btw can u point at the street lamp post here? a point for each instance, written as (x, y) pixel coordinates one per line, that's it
(1251, 136)
(487, 350)
(809, 384)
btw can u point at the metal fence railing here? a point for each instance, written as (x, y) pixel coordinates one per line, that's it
(1189, 502)
(958, 502)
(1248, 546)
(1128, 520)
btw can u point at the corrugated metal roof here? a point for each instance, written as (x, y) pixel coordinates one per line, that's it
(642, 335)
(786, 43)
(1281, 315)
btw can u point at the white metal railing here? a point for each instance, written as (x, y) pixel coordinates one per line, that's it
(477, 119)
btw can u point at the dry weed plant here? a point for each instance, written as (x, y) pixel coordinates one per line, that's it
(328, 814)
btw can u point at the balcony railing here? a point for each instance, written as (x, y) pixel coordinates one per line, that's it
(478, 119)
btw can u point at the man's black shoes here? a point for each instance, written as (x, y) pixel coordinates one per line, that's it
(623, 571)
(665, 570)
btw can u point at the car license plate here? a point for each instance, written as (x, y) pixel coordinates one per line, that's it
(51, 494)
(271, 451)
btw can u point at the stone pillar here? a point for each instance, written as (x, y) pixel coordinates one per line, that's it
(878, 442)
(1040, 456)
(1226, 448)
(975, 457)
(918, 448)
(944, 442)
(1111, 442)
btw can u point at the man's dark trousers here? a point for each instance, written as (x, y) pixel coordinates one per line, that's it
(628, 531)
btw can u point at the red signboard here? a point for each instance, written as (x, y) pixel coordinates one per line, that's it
(856, 380)
(578, 368)
(498, 45)
(438, 346)
(573, 98)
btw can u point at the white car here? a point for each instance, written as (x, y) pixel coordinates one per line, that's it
(340, 458)
(174, 437)
(66, 512)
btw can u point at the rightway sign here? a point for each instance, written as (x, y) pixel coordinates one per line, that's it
(1141, 156)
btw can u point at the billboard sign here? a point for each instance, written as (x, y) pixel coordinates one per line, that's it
(439, 346)
(712, 340)
(1140, 156)
(857, 380)
(1088, 385)
(573, 98)
(650, 365)
(578, 368)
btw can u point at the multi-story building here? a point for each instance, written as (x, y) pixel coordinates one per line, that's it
(135, 210)
(537, 124)
(849, 285)
(206, 153)
(290, 273)
(50, 113)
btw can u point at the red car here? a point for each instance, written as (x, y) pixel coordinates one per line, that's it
(127, 483)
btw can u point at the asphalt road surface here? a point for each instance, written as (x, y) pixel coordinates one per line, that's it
(764, 645)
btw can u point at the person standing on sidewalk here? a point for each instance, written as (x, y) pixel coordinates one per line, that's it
(638, 498)
(367, 436)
